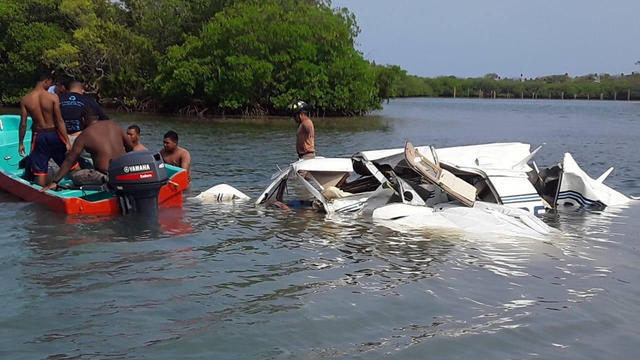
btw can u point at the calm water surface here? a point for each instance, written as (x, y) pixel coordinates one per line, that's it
(238, 282)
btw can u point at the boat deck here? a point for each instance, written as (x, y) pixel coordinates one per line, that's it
(70, 201)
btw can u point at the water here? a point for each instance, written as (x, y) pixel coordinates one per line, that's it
(239, 282)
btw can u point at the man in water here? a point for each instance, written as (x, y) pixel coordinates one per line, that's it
(49, 139)
(172, 153)
(133, 131)
(104, 140)
(74, 105)
(305, 138)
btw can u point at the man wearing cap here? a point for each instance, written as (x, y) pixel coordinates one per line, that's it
(305, 138)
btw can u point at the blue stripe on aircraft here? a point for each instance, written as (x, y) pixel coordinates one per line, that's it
(579, 198)
(520, 198)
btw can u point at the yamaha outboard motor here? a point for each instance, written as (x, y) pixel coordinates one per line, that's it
(137, 178)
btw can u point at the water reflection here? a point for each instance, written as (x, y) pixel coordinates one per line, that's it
(86, 229)
(346, 253)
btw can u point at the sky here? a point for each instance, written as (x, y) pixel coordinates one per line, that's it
(470, 38)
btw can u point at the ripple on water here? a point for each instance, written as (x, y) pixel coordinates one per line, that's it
(238, 281)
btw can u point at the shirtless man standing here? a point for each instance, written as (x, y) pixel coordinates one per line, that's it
(305, 137)
(49, 139)
(133, 131)
(104, 140)
(172, 153)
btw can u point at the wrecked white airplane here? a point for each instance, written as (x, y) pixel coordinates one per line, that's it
(477, 188)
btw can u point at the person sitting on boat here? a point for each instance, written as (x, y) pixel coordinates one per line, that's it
(133, 131)
(74, 105)
(49, 139)
(173, 154)
(104, 140)
(305, 138)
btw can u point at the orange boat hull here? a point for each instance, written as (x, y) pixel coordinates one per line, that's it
(170, 196)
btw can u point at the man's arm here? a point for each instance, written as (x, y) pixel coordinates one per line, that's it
(185, 160)
(67, 164)
(97, 108)
(22, 131)
(128, 145)
(310, 129)
(59, 122)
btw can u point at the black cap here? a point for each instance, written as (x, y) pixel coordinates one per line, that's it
(298, 107)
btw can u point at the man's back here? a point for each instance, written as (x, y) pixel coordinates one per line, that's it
(104, 140)
(73, 106)
(305, 138)
(50, 140)
(41, 106)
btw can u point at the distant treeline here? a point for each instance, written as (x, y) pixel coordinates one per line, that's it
(394, 82)
(231, 57)
(190, 56)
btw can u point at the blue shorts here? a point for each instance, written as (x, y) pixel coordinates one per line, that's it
(46, 144)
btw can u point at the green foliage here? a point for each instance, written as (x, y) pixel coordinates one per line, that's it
(242, 56)
(229, 56)
(387, 80)
(412, 85)
(167, 22)
(106, 56)
(552, 86)
(260, 56)
(22, 47)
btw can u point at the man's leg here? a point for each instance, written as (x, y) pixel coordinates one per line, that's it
(41, 180)
(39, 159)
(46, 145)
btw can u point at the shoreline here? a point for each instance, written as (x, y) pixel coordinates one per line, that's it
(517, 98)
(233, 118)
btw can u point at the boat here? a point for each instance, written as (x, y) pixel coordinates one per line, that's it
(70, 199)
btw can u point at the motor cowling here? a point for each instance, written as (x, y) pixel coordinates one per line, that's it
(137, 178)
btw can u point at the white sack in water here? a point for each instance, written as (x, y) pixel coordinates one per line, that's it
(222, 193)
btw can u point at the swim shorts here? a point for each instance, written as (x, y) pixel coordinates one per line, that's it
(46, 144)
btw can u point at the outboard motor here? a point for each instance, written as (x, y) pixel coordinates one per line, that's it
(137, 177)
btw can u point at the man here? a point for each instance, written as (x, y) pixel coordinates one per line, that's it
(172, 153)
(104, 140)
(305, 138)
(133, 131)
(74, 105)
(49, 139)
(59, 88)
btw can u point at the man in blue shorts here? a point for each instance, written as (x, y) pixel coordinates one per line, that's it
(49, 139)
